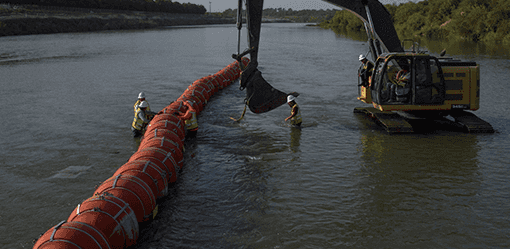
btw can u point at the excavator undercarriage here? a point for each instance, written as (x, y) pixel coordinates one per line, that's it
(407, 122)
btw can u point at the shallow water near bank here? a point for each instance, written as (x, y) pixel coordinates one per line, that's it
(338, 182)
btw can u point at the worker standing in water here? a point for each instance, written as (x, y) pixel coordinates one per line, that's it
(142, 118)
(190, 119)
(295, 113)
(141, 97)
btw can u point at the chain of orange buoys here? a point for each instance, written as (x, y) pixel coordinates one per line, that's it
(111, 217)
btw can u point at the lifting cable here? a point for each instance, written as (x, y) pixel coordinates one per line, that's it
(239, 57)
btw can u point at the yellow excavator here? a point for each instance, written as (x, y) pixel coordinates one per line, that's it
(408, 90)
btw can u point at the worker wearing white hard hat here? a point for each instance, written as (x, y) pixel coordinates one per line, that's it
(295, 112)
(141, 119)
(141, 97)
(366, 70)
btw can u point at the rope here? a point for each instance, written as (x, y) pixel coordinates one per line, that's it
(247, 102)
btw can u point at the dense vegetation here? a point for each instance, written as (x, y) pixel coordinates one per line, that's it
(304, 16)
(470, 20)
(132, 5)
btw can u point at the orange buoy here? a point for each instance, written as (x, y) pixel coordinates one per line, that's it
(172, 172)
(168, 146)
(217, 82)
(224, 81)
(235, 70)
(196, 101)
(169, 117)
(134, 191)
(245, 61)
(189, 95)
(228, 74)
(158, 153)
(172, 110)
(176, 105)
(72, 235)
(207, 84)
(199, 93)
(147, 179)
(112, 216)
(157, 176)
(200, 89)
(159, 132)
(167, 125)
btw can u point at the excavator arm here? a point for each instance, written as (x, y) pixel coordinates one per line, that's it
(260, 95)
(381, 33)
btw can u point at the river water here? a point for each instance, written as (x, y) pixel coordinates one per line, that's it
(339, 182)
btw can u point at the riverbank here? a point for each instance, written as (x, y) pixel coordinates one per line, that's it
(28, 20)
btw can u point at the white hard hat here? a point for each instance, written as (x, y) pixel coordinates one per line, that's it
(141, 95)
(362, 57)
(290, 98)
(144, 104)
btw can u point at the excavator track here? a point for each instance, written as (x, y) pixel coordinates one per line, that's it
(471, 123)
(392, 122)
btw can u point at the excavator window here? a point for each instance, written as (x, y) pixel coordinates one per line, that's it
(408, 80)
(429, 84)
(395, 81)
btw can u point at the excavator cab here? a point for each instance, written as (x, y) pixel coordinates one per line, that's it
(400, 81)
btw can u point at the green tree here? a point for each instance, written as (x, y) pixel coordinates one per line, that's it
(470, 20)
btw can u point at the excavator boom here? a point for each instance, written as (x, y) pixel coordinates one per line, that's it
(260, 95)
(378, 19)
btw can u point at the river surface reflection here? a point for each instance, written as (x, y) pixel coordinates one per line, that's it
(338, 182)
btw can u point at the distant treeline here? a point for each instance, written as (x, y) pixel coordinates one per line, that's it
(131, 5)
(315, 16)
(470, 20)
